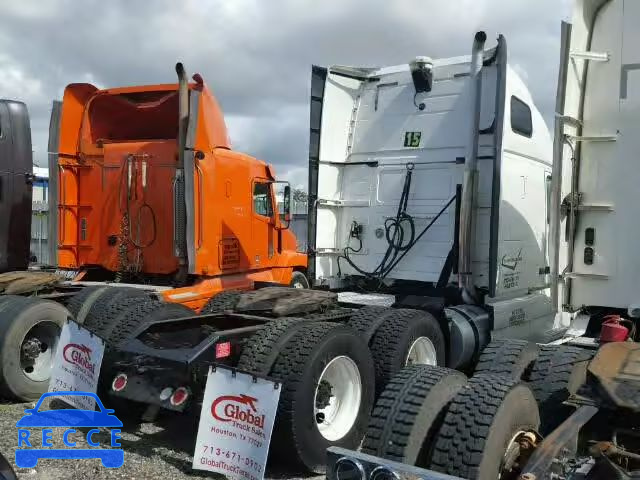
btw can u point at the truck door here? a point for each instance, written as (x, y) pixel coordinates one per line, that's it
(263, 224)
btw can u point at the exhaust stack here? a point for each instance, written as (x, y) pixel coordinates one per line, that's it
(183, 112)
(180, 207)
(470, 185)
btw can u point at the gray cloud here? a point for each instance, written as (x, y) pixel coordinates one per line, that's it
(256, 55)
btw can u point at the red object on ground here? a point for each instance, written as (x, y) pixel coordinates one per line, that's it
(613, 330)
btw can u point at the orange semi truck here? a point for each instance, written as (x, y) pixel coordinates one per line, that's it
(154, 215)
(149, 191)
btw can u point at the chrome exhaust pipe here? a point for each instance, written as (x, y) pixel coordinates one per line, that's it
(180, 207)
(470, 182)
(183, 112)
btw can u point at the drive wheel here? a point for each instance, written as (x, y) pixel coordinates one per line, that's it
(366, 320)
(129, 319)
(409, 413)
(327, 379)
(405, 337)
(105, 310)
(558, 373)
(488, 431)
(29, 334)
(222, 302)
(80, 304)
(261, 350)
(299, 280)
(507, 357)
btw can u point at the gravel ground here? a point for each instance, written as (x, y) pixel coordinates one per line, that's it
(159, 450)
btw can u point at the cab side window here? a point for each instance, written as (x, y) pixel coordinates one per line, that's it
(262, 199)
(521, 122)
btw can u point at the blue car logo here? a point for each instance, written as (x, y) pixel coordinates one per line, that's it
(41, 446)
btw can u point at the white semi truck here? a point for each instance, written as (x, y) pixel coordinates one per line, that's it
(434, 187)
(568, 408)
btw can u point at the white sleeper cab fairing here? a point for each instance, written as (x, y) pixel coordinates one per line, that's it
(371, 128)
(597, 229)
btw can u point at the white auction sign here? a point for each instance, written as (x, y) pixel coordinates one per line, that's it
(76, 365)
(236, 422)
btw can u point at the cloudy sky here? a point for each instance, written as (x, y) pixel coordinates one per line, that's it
(255, 54)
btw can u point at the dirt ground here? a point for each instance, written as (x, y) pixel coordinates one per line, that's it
(159, 450)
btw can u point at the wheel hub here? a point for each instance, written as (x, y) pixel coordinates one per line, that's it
(337, 398)
(31, 348)
(422, 352)
(517, 454)
(37, 350)
(324, 394)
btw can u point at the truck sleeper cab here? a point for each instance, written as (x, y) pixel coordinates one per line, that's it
(148, 189)
(388, 159)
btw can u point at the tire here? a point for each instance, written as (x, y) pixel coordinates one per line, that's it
(80, 304)
(483, 419)
(392, 341)
(169, 311)
(297, 439)
(299, 280)
(558, 373)
(18, 318)
(6, 298)
(366, 320)
(263, 347)
(507, 357)
(108, 305)
(409, 413)
(222, 302)
(129, 320)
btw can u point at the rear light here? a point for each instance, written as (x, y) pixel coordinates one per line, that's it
(223, 350)
(179, 396)
(165, 394)
(119, 383)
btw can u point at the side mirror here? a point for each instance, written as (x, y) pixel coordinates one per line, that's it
(287, 205)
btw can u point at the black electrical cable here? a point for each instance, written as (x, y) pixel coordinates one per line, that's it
(395, 235)
(127, 210)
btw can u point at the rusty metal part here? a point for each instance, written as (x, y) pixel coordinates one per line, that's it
(282, 301)
(123, 253)
(31, 349)
(518, 453)
(542, 458)
(609, 449)
(17, 283)
(616, 368)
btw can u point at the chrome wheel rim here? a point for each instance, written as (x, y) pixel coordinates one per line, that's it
(422, 352)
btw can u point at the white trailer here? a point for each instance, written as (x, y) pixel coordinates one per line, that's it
(571, 408)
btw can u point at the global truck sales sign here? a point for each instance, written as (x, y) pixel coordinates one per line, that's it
(76, 365)
(236, 422)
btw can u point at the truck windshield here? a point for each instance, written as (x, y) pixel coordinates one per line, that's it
(134, 116)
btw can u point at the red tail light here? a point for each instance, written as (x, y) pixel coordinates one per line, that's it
(223, 350)
(179, 396)
(119, 383)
